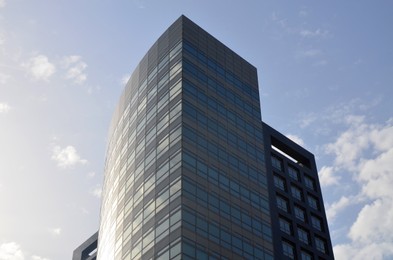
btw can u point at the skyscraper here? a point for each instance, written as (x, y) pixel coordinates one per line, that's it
(192, 172)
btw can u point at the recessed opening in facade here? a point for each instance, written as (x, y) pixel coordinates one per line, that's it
(289, 153)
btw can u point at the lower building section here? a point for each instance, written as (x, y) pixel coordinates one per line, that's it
(299, 224)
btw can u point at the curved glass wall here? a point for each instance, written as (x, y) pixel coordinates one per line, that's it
(142, 171)
(185, 174)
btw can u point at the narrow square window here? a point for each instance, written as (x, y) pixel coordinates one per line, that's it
(276, 163)
(316, 222)
(312, 202)
(303, 235)
(300, 213)
(309, 182)
(305, 255)
(296, 193)
(282, 203)
(293, 173)
(285, 226)
(279, 182)
(320, 245)
(288, 250)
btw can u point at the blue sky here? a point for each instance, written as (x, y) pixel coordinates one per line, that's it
(326, 79)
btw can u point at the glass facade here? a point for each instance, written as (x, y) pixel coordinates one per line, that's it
(185, 174)
(190, 173)
(141, 204)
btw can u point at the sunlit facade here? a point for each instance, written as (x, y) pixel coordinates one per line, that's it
(188, 174)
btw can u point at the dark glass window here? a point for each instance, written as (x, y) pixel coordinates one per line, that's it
(276, 163)
(285, 226)
(300, 213)
(303, 235)
(305, 255)
(310, 183)
(316, 222)
(279, 182)
(293, 173)
(288, 250)
(282, 203)
(296, 193)
(320, 244)
(312, 202)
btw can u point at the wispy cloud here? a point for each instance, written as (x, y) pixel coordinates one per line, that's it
(67, 157)
(4, 108)
(3, 77)
(327, 176)
(124, 79)
(75, 67)
(303, 13)
(333, 209)
(96, 191)
(141, 4)
(309, 53)
(365, 151)
(2, 3)
(11, 251)
(39, 67)
(55, 231)
(320, 63)
(318, 33)
(296, 139)
(36, 257)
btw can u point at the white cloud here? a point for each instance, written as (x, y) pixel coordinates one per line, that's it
(3, 77)
(96, 192)
(320, 63)
(365, 151)
(327, 176)
(372, 251)
(124, 79)
(91, 174)
(4, 108)
(75, 68)
(296, 139)
(309, 53)
(2, 3)
(333, 209)
(67, 157)
(316, 33)
(36, 257)
(40, 68)
(55, 231)
(352, 143)
(11, 251)
(303, 13)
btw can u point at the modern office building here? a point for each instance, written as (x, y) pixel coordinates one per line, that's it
(192, 172)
